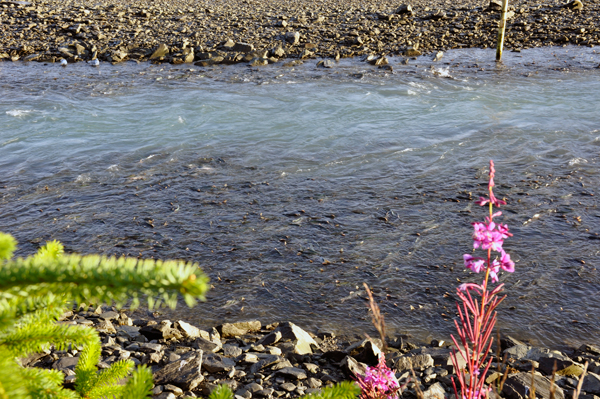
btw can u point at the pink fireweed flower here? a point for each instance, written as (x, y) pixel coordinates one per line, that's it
(503, 229)
(506, 264)
(474, 263)
(494, 269)
(379, 382)
(487, 236)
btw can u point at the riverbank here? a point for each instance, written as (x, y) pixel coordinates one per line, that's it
(282, 360)
(238, 31)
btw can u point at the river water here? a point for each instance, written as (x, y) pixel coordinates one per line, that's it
(292, 186)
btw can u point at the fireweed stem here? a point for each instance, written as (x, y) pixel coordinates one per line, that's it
(477, 320)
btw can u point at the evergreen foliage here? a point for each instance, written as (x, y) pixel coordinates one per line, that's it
(36, 290)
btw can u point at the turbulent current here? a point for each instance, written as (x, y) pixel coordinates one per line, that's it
(290, 187)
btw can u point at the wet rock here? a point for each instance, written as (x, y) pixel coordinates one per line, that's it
(438, 56)
(117, 56)
(411, 52)
(255, 62)
(32, 57)
(382, 61)
(189, 57)
(160, 52)
(184, 373)
(229, 330)
(517, 386)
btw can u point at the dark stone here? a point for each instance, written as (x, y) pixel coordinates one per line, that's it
(65, 363)
(591, 383)
(509, 342)
(518, 386)
(151, 333)
(352, 368)
(214, 363)
(205, 345)
(405, 9)
(334, 356)
(547, 364)
(366, 351)
(264, 362)
(591, 349)
(184, 373)
(292, 373)
(243, 48)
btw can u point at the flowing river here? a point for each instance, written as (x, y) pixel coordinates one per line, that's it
(290, 187)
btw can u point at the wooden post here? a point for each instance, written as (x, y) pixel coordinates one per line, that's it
(501, 29)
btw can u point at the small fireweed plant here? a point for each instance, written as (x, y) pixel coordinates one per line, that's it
(478, 316)
(379, 382)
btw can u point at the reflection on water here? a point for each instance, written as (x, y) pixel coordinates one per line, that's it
(292, 187)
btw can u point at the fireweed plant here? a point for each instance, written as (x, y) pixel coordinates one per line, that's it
(478, 316)
(378, 382)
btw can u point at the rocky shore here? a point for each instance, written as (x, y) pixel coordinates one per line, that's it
(282, 360)
(262, 32)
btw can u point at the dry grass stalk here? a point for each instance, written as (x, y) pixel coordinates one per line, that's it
(552, 386)
(418, 390)
(577, 392)
(377, 318)
(532, 390)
